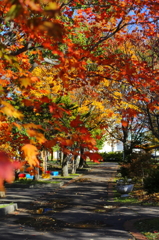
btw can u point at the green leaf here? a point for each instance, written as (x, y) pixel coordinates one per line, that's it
(13, 12)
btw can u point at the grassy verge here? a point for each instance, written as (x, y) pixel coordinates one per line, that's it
(5, 205)
(149, 228)
(92, 163)
(69, 176)
(126, 200)
(131, 199)
(137, 196)
(28, 181)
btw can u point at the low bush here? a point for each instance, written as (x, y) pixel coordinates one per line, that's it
(151, 183)
(124, 171)
(140, 167)
(112, 156)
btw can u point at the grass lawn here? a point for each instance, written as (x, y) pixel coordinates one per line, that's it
(149, 228)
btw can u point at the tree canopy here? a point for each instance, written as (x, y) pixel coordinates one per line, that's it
(106, 51)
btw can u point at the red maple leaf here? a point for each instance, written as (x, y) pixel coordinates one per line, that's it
(7, 167)
(76, 122)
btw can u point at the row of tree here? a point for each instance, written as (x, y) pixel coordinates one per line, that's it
(70, 71)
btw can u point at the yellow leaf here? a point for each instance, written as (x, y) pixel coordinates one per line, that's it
(32, 126)
(12, 13)
(10, 111)
(18, 126)
(25, 81)
(30, 154)
(157, 107)
(38, 136)
(51, 6)
(117, 94)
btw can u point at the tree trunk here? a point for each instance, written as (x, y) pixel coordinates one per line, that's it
(44, 158)
(124, 151)
(52, 155)
(77, 160)
(125, 135)
(64, 170)
(74, 164)
(2, 194)
(61, 158)
(127, 151)
(81, 162)
(36, 177)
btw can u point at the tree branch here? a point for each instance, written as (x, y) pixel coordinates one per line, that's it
(28, 46)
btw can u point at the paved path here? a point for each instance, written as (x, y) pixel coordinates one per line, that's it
(86, 202)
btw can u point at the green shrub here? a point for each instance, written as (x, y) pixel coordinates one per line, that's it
(151, 183)
(112, 156)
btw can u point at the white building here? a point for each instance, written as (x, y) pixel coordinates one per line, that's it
(112, 147)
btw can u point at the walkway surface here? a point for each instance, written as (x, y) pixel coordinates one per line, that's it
(86, 210)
